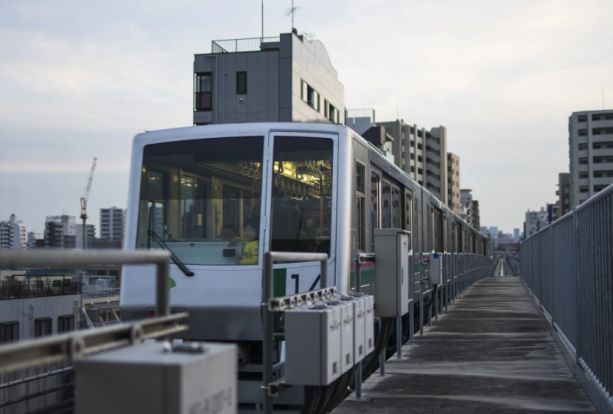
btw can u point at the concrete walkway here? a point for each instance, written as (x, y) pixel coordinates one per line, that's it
(490, 353)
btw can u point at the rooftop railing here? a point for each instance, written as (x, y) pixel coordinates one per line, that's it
(243, 45)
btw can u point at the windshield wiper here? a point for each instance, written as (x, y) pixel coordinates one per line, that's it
(173, 256)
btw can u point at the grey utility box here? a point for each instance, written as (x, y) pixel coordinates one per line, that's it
(392, 272)
(313, 344)
(347, 334)
(436, 268)
(145, 378)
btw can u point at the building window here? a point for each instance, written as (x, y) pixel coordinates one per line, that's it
(42, 327)
(65, 323)
(582, 132)
(203, 91)
(241, 83)
(582, 147)
(330, 112)
(581, 118)
(310, 95)
(9, 332)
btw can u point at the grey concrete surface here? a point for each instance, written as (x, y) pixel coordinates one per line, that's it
(490, 353)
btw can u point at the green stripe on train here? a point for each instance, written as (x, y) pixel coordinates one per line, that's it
(279, 278)
(367, 276)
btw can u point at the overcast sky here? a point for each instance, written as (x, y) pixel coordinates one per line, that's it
(79, 79)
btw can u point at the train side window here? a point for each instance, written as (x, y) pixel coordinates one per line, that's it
(375, 218)
(360, 196)
(386, 204)
(408, 212)
(396, 208)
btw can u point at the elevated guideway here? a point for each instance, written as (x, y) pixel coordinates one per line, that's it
(492, 352)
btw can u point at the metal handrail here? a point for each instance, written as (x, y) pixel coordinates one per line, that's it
(67, 347)
(62, 258)
(270, 258)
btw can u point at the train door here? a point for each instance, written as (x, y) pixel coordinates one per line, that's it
(302, 206)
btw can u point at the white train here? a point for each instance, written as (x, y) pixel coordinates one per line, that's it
(220, 196)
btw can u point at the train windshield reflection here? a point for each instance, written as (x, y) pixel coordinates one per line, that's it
(202, 199)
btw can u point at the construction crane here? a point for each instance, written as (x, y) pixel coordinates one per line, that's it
(84, 201)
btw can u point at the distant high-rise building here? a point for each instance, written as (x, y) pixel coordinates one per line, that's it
(285, 78)
(360, 120)
(591, 153)
(563, 193)
(60, 232)
(12, 234)
(469, 208)
(421, 154)
(112, 223)
(453, 182)
(34, 240)
(516, 234)
(91, 234)
(535, 221)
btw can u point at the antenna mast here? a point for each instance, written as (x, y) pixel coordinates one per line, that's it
(292, 11)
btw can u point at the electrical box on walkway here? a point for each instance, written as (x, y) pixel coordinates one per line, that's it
(313, 344)
(369, 323)
(436, 268)
(151, 378)
(392, 272)
(347, 334)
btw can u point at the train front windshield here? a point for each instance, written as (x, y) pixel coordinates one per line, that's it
(201, 198)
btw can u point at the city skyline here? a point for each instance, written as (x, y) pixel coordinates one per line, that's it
(503, 79)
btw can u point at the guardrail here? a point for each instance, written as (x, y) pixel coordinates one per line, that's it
(66, 258)
(50, 352)
(568, 269)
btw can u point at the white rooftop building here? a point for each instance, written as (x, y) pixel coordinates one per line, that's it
(12, 234)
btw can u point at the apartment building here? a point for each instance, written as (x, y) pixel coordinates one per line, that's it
(590, 144)
(112, 223)
(469, 208)
(284, 78)
(563, 193)
(535, 221)
(60, 232)
(12, 234)
(453, 182)
(420, 153)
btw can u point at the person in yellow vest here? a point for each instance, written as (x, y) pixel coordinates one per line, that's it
(249, 254)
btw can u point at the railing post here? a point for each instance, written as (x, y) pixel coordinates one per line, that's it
(267, 293)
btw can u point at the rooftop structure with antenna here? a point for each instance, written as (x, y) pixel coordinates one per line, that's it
(285, 78)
